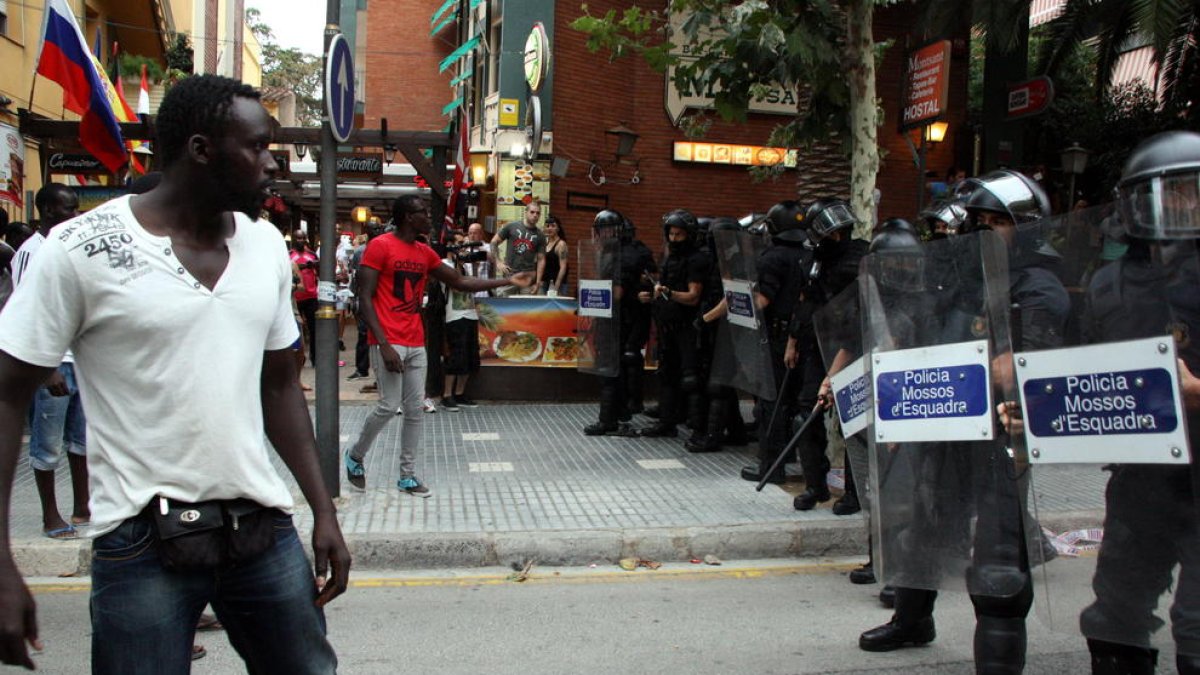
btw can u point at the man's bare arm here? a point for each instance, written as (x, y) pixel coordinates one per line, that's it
(18, 613)
(289, 428)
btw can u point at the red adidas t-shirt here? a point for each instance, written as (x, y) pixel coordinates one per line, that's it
(403, 268)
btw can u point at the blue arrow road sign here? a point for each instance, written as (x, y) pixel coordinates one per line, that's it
(339, 88)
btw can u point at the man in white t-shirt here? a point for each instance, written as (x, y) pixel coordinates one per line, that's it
(56, 418)
(176, 305)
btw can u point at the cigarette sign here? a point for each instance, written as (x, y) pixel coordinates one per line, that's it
(1030, 97)
(926, 85)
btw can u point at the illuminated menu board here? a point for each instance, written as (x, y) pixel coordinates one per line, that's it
(738, 155)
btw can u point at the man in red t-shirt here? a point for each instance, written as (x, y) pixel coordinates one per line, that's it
(392, 282)
(306, 293)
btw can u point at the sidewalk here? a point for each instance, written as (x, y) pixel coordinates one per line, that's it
(513, 482)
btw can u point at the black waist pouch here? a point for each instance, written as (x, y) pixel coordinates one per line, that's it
(210, 534)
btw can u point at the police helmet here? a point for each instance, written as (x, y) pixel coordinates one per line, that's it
(785, 221)
(608, 224)
(826, 216)
(1159, 190)
(1009, 193)
(898, 262)
(684, 220)
(895, 234)
(951, 214)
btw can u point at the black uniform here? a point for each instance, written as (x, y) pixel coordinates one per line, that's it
(680, 380)
(722, 422)
(783, 271)
(633, 260)
(1146, 532)
(836, 267)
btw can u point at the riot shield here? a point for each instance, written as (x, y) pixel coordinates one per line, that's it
(598, 322)
(1107, 434)
(741, 357)
(839, 335)
(947, 496)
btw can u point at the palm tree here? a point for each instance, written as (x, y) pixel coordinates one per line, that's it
(1170, 26)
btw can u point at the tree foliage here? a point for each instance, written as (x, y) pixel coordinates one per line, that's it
(290, 69)
(740, 49)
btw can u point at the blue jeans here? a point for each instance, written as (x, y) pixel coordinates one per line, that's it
(144, 617)
(55, 421)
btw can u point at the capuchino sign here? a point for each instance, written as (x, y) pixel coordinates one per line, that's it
(62, 162)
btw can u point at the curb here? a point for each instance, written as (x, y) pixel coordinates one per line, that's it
(791, 539)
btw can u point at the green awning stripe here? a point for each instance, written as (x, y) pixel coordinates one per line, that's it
(445, 22)
(452, 105)
(455, 82)
(457, 54)
(441, 10)
(476, 3)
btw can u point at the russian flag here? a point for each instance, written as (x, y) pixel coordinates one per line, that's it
(65, 59)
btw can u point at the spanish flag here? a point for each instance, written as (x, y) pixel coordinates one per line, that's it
(87, 91)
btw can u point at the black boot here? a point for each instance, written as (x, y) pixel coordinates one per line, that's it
(847, 506)
(813, 495)
(754, 473)
(999, 645)
(887, 596)
(703, 443)
(1110, 658)
(863, 575)
(911, 625)
(599, 428)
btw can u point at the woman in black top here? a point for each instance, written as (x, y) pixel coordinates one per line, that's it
(554, 278)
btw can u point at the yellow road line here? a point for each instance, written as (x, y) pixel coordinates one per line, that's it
(547, 575)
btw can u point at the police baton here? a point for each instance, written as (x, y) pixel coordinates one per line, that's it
(778, 401)
(816, 412)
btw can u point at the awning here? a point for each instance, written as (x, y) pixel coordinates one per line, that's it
(442, 10)
(452, 105)
(466, 73)
(457, 54)
(441, 19)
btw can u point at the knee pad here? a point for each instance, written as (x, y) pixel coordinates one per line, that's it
(1014, 606)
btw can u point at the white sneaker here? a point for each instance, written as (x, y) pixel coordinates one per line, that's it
(429, 406)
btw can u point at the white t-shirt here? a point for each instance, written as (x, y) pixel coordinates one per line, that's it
(459, 304)
(20, 268)
(170, 371)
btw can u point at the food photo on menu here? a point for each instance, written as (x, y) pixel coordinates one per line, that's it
(527, 331)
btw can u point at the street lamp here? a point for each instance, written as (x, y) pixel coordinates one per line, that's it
(1074, 161)
(389, 153)
(301, 150)
(626, 137)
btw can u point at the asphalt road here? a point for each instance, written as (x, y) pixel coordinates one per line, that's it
(740, 617)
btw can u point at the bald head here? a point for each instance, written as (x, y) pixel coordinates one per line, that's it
(475, 232)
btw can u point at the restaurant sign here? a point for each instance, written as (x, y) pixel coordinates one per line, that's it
(359, 165)
(926, 85)
(69, 163)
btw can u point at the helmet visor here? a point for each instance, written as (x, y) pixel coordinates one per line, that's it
(832, 218)
(1163, 207)
(1015, 194)
(900, 270)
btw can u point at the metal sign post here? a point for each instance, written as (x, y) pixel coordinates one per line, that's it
(336, 125)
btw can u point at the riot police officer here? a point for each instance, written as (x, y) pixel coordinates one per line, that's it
(632, 260)
(1008, 203)
(835, 266)
(1150, 524)
(675, 299)
(782, 274)
(723, 424)
(944, 218)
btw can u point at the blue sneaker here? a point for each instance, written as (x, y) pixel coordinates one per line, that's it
(356, 473)
(413, 487)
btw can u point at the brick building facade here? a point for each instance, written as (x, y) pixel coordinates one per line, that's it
(592, 94)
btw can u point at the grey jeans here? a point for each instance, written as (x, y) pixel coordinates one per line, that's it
(398, 392)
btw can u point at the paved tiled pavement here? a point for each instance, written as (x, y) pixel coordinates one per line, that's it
(527, 468)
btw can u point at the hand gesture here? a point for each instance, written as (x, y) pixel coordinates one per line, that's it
(331, 559)
(391, 359)
(18, 619)
(522, 279)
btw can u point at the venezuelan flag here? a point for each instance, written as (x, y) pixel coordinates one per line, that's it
(87, 91)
